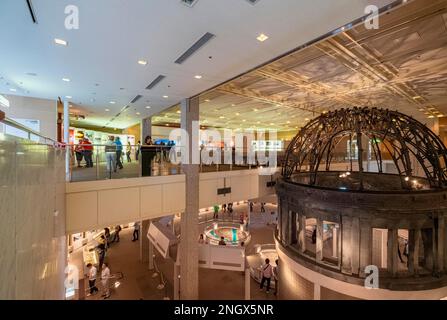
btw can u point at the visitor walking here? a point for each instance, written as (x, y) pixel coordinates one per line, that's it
(119, 151)
(117, 233)
(262, 207)
(110, 150)
(87, 150)
(267, 272)
(128, 151)
(78, 153)
(137, 152)
(136, 231)
(251, 206)
(276, 276)
(105, 280)
(92, 271)
(216, 212)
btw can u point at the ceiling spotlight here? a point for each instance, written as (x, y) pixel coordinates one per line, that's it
(68, 97)
(207, 100)
(262, 37)
(60, 42)
(148, 107)
(13, 90)
(255, 110)
(142, 62)
(112, 102)
(244, 120)
(178, 111)
(233, 105)
(66, 79)
(237, 113)
(431, 116)
(165, 97)
(107, 110)
(440, 115)
(198, 76)
(138, 113)
(221, 117)
(306, 119)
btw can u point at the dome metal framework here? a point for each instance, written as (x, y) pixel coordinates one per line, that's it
(408, 142)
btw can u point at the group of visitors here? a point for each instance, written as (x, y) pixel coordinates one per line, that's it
(105, 279)
(84, 150)
(268, 272)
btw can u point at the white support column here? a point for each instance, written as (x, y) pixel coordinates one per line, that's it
(189, 255)
(67, 139)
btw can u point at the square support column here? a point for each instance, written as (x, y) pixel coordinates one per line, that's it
(365, 246)
(346, 250)
(320, 240)
(144, 241)
(392, 264)
(414, 237)
(189, 255)
(302, 232)
(146, 129)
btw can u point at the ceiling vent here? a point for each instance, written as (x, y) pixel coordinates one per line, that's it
(31, 11)
(155, 82)
(196, 46)
(253, 2)
(138, 97)
(189, 3)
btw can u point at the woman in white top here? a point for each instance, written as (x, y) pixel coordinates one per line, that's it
(267, 272)
(105, 276)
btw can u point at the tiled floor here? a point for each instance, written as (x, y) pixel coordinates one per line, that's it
(213, 284)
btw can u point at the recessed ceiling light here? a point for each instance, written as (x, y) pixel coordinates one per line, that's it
(233, 105)
(148, 107)
(167, 125)
(258, 122)
(142, 62)
(112, 102)
(107, 110)
(198, 76)
(288, 121)
(306, 119)
(165, 97)
(68, 97)
(221, 117)
(244, 120)
(255, 110)
(237, 113)
(138, 113)
(13, 90)
(262, 37)
(431, 116)
(272, 124)
(60, 42)
(207, 100)
(66, 79)
(178, 111)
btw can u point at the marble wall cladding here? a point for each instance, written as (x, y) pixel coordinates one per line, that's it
(32, 202)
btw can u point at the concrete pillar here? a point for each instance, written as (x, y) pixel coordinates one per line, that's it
(144, 241)
(146, 129)
(67, 139)
(365, 246)
(302, 232)
(334, 242)
(189, 255)
(440, 243)
(317, 291)
(355, 245)
(413, 250)
(319, 245)
(392, 264)
(346, 224)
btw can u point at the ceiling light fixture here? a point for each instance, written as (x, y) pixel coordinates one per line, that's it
(142, 62)
(148, 107)
(165, 97)
(60, 42)
(13, 90)
(255, 110)
(68, 97)
(107, 110)
(138, 113)
(66, 79)
(112, 102)
(262, 37)
(198, 76)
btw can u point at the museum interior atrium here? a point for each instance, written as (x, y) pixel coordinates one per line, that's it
(223, 150)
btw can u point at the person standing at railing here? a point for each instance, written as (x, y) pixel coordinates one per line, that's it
(119, 151)
(137, 152)
(128, 151)
(110, 150)
(78, 153)
(148, 153)
(87, 150)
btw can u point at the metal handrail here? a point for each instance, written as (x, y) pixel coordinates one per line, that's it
(17, 125)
